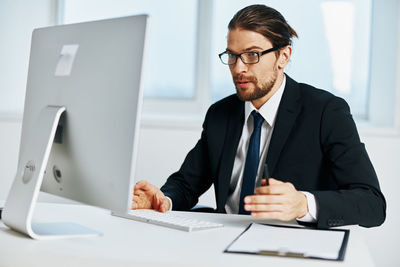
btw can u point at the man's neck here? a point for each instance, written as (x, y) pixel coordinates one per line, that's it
(258, 103)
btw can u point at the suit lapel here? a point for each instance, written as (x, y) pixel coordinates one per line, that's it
(288, 111)
(233, 134)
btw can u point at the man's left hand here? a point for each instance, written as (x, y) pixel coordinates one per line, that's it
(277, 201)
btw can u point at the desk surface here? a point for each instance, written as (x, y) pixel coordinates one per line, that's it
(126, 243)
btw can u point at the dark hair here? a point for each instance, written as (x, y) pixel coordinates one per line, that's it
(266, 21)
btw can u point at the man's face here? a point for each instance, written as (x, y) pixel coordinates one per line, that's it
(252, 81)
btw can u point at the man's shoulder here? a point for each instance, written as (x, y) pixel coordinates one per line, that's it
(312, 93)
(305, 91)
(226, 103)
(220, 111)
(319, 99)
(313, 98)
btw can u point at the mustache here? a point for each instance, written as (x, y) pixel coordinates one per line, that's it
(242, 77)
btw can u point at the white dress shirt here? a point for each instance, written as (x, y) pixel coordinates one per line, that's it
(268, 111)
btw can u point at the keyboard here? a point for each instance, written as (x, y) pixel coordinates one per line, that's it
(171, 220)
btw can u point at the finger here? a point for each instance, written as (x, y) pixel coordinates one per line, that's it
(155, 202)
(135, 203)
(140, 203)
(263, 182)
(274, 189)
(142, 185)
(263, 199)
(135, 198)
(262, 190)
(164, 205)
(264, 207)
(158, 201)
(159, 204)
(138, 192)
(274, 181)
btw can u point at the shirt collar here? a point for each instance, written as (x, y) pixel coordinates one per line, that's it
(270, 108)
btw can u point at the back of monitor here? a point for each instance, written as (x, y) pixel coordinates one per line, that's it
(84, 92)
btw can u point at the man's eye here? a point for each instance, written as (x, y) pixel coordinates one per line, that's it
(231, 55)
(252, 54)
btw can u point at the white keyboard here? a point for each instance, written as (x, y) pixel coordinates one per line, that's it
(169, 220)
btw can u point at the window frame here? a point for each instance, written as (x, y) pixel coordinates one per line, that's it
(188, 112)
(370, 126)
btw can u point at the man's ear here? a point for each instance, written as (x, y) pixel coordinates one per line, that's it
(284, 56)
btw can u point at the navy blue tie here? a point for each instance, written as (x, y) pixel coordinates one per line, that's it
(252, 159)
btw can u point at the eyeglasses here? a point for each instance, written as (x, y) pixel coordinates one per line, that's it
(229, 58)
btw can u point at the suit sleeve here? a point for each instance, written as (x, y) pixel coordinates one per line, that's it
(193, 178)
(358, 199)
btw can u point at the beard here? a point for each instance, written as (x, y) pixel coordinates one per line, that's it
(261, 89)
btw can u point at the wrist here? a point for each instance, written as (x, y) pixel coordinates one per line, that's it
(303, 206)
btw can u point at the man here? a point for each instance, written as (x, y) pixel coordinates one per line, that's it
(307, 138)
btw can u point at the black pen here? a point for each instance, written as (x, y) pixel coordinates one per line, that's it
(265, 173)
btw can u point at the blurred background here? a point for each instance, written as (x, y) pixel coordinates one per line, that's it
(348, 47)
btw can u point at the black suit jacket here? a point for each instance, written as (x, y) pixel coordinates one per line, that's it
(315, 145)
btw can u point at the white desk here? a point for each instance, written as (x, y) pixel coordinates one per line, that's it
(130, 243)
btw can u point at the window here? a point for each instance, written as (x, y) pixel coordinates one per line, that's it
(171, 42)
(330, 53)
(352, 55)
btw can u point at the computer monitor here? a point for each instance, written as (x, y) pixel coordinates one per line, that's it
(81, 120)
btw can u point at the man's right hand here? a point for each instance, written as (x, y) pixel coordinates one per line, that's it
(148, 196)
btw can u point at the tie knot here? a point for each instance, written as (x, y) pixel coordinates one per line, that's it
(258, 119)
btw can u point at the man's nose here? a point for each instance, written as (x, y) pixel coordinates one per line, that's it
(239, 66)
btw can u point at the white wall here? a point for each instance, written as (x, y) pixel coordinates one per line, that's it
(383, 241)
(10, 133)
(161, 149)
(17, 20)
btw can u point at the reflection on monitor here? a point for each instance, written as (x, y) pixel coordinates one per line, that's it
(81, 120)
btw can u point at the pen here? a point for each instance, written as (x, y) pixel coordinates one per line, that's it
(265, 173)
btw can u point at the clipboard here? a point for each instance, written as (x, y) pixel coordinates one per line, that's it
(291, 241)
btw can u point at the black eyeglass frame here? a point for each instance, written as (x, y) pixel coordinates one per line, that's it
(240, 55)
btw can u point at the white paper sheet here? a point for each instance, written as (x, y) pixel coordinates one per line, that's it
(310, 242)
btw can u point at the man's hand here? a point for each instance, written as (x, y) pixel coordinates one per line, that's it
(277, 201)
(148, 196)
